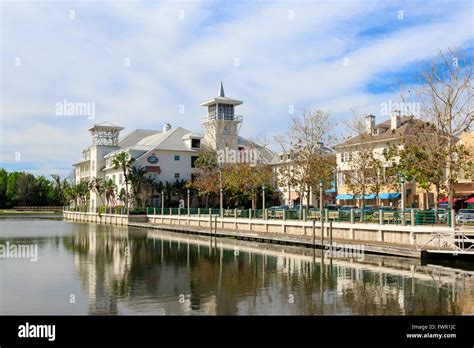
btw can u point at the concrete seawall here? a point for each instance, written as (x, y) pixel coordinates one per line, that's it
(409, 241)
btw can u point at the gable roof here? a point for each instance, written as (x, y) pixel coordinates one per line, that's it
(135, 136)
(266, 154)
(170, 140)
(408, 126)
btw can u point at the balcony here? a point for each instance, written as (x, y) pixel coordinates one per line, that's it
(221, 117)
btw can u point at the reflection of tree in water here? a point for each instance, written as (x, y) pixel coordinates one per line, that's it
(215, 280)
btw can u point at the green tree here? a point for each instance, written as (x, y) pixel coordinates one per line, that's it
(136, 176)
(12, 184)
(109, 188)
(124, 161)
(3, 187)
(97, 185)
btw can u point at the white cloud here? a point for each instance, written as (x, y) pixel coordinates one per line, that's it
(177, 62)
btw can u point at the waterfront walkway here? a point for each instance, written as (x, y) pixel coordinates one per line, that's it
(397, 240)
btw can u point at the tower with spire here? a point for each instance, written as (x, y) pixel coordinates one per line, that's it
(221, 124)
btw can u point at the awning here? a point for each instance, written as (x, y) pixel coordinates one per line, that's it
(470, 200)
(445, 200)
(331, 191)
(344, 196)
(370, 196)
(393, 195)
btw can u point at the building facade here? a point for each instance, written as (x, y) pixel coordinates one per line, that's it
(375, 140)
(168, 155)
(283, 165)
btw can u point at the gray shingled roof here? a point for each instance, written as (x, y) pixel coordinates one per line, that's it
(170, 140)
(135, 136)
(408, 126)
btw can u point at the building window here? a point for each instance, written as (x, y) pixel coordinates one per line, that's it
(193, 161)
(346, 157)
(176, 157)
(113, 178)
(196, 143)
(223, 112)
(176, 175)
(194, 177)
(120, 179)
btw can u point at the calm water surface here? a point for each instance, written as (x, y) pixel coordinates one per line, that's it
(97, 269)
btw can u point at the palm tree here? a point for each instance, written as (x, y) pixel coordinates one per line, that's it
(180, 188)
(124, 161)
(168, 191)
(97, 184)
(137, 177)
(70, 194)
(150, 185)
(109, 189)
(82, 191)
(122, 195)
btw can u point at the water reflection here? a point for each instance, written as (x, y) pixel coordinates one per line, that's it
(137, 271)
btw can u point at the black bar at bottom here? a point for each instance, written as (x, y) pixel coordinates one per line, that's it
(225, 330)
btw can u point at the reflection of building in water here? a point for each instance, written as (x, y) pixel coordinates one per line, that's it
(102, 262)
(170, 273)
(377, 285)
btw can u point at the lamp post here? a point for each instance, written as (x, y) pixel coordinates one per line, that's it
(162, 202)
(221, 194)
(321, 194)
(188, 192)
(263, 197)
(221, 202)
(402, 184)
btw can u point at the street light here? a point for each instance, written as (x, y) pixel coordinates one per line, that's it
(263, 197)
(162, 202)
(221, 201)
(321, 194)
(402, 184)
(188, 192)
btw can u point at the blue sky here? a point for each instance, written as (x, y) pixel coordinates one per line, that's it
(289, 53)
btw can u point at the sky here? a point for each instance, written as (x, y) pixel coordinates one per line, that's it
(143, 64)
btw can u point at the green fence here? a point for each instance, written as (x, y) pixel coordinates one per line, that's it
(413, 217)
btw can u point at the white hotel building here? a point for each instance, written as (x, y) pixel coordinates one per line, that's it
(167, 155)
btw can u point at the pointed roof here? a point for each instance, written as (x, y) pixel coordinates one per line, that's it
(221, 98)
(221, 91)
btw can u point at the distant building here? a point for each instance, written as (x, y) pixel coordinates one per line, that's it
(380, 137)
(282, 164)
(464, 189)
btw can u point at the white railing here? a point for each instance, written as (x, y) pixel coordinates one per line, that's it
(457, 241)
(236, 118)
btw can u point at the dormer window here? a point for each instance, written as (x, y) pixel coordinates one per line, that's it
(196, 143)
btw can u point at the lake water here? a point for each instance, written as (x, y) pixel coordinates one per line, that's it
(99, 269)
